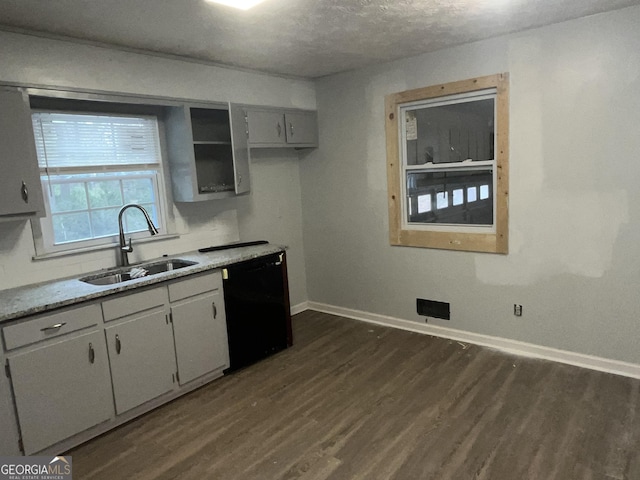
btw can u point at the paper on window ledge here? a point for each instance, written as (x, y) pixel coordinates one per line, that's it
(411, 126)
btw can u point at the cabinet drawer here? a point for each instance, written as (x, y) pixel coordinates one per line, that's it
(136, 302)
(51, 326)
(195, 285)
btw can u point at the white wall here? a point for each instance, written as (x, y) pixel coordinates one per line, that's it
(33, 60)
(574, 196)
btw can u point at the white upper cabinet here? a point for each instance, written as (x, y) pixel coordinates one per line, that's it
(302, 128)
(282, 128)
(208, 152)
(20, 190)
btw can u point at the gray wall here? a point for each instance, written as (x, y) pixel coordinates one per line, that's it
(33, 60)
(574, 196)
(273, 210)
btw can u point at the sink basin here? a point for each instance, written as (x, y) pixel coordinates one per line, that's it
(165, 266)
(107, 279)
(123, 274)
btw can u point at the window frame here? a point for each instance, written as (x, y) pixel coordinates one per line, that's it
(448, 236)
(42, 228)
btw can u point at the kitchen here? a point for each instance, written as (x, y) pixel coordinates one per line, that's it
(573, 223)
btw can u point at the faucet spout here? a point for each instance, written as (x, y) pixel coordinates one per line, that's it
(124, 249)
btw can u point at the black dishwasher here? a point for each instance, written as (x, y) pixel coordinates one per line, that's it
(256, 297)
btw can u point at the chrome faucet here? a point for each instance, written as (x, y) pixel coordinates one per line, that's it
(124, 248)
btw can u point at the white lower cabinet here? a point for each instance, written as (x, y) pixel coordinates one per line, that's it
(61, 389)
(142, 356)
(80, 371)
(9, 438)
(199, 326)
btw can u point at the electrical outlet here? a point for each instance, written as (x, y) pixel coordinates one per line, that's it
(517, 310)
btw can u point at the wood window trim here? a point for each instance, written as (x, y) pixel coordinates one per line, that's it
(474, 242)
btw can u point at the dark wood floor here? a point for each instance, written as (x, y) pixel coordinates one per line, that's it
(356, 401)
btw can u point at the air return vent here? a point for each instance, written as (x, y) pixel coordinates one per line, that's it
(431, 308)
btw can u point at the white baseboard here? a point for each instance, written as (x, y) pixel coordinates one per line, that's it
(504, 344)
(300, 307)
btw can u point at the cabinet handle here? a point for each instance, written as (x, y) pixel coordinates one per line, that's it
(291, 128)
(215, 310)
(25, 192)
(118, 345)
(239, 179)
(53, 327)
(92, 354)
(279, 128)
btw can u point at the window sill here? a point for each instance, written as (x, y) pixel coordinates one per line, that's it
(96, 248)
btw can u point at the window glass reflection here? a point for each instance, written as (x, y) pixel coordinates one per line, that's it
(448, 188)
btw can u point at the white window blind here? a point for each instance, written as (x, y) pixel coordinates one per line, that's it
(68, 140)
(91, 164)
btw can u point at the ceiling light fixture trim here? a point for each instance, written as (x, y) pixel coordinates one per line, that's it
(239, 4)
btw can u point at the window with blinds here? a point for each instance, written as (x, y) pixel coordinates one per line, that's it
(91, 165)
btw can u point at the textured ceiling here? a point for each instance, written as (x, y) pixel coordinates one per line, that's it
(302, 38)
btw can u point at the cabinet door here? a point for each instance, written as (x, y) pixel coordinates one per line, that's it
(142, 359)
(182, 161)
(302, 128)
(240, 145)
(20, 190)
(8, 423)
(61, 389)
(200, 331)
(266, 128)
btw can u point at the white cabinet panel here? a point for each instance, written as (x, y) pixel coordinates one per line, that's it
(195, 285)
(20, 189)
(200, 331)
(240, 146)
(302, 128)
(61, 389)
(142, 358)
(269, 128)
(51, 325)
(136, 302)
(8, 423)
(266, 127)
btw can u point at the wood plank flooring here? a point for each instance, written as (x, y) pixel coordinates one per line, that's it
(355, 401)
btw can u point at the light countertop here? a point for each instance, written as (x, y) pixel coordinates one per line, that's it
(41, 297)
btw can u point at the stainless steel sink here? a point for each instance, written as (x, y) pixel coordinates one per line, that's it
(165, 266)
(140, 271)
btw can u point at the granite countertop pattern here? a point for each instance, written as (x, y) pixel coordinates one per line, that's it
(41, 297)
